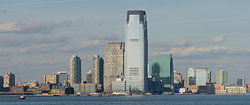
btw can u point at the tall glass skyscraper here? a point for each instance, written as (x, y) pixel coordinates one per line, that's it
(164, 63)
(136, 51)
(75, 70)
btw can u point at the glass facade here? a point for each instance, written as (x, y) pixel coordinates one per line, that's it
(136, 51)
(162, 66)
(98, 69)
(199, 76)
(63, 77)
(75, 70)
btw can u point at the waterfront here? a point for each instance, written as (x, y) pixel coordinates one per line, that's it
(132, 100)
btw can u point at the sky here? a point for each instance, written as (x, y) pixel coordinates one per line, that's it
(40, 36)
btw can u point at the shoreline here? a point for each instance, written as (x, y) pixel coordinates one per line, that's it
(85, 95)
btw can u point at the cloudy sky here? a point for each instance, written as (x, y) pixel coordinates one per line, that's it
(40, 36)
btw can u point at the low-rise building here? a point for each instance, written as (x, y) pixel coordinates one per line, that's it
(236, 90)
(32, 89)
(119, 85)
(183, 90)
(85, 88)
(155, 85)
(219, 88)
(45, 86)
(18, 89)
(208, 89)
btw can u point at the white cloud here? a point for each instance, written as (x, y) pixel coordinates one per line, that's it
(36, 48)
(91, 43)
(193, 51)
(106, 37)
(164, 45)
(27, 40)
(31, 27)
(85, 46)
(217, 39)
(181, 43)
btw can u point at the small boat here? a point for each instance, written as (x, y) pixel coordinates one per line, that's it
(22, 97)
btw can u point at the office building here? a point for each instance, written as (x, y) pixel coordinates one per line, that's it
(240, 82)
(63, 77)
(221, 77)
(85, 88)
(9, 80)
(186, 81)
(89, 76)
(199, 76)
(50, 78)
(75, 70)
(178, 83)
(177, 78)
(164, 63)
(155, 85)
(236, 89)
(98, 69)
(119, 85)
(113, 63)
(136, 53)
(1, 81)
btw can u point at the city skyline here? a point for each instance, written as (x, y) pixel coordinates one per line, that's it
(37, 39)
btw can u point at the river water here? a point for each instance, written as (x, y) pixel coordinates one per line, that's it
(132, 100)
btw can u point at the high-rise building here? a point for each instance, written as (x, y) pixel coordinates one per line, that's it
(164, 63)
(1, 82)
(63, 77)
(113, 63)
(136, 53)
(89, 77)
(221, 77)
(75, 70)
(186, 81)
(199, 76)
(50, 78)
(240, 82)
(9, 80)
(98, 69)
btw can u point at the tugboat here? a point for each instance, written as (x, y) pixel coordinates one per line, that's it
(22, 97)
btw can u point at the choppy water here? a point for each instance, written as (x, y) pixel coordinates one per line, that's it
(132, 100)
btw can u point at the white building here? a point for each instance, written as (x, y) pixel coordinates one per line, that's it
(136, 51)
